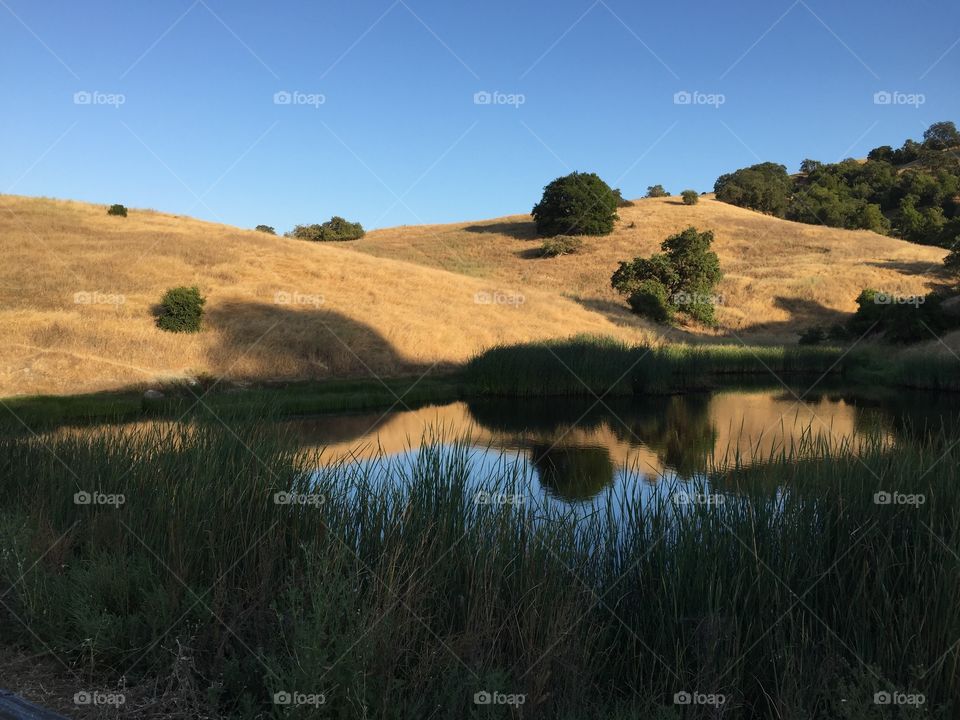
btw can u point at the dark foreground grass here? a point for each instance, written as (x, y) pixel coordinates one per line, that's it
(394, 594)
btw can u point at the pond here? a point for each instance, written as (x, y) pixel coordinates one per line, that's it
(577, 451)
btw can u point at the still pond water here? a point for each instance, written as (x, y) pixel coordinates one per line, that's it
(575, 452)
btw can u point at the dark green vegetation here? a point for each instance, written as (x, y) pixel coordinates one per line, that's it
(901, 319)
(690, 197)
(681, 279)
(576, 204)
(912, 193)
(595, 366)
(655, 191)
(181, 310)
(591, 366)
(117, 210)
(227, 401)
(335, 229)
(396, 595)
(268, 229)
(561, 245)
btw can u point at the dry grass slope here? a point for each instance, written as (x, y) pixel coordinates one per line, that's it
(399, 301)
(376, 316)
(779, 276)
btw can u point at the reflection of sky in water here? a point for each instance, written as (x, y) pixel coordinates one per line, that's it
(499, 476)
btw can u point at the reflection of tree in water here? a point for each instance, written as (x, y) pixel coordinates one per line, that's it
(678, 428)
(572, 472)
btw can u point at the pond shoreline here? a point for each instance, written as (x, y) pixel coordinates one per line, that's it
(583, 366)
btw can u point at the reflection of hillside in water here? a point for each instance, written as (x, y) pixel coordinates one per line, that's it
(653, 436)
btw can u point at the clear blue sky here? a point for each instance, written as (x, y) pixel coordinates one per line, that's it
(399, 138)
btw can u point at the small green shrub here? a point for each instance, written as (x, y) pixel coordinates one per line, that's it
(690, 197)
(650, 299)
(336, 229)
(561, 245)
(655, 191)
(266, 229)
(181, 310)
(117, 210)
(576, 204)
(687, 270)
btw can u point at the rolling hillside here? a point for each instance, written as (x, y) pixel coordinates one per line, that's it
(78, 287)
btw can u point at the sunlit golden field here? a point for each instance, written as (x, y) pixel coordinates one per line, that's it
(78, 288)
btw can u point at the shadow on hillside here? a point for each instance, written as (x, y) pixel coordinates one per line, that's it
(803, 314)
(913, 267)
(267, 341)
(535, 253)
(520, 230)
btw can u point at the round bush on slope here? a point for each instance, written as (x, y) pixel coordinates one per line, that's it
(576, 204)
(181, 310)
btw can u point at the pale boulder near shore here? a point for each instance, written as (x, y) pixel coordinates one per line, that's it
(79, 288)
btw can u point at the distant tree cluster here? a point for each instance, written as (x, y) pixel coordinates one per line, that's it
(335, 229)
(681, 279)
(655, 191)
(912, 192)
